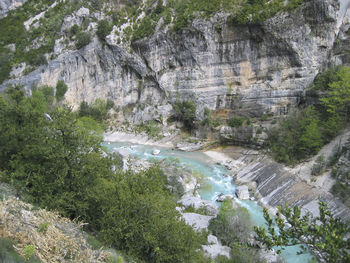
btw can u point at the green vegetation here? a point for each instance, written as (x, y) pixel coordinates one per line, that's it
(43, 227)
(185, 111)
(83, 39)
(145, 29)
(257, 11)
(98, 110)
(8, 254)
(151, 128)
(12, 31)
(236, 121)
(103, 29)
(233, 228)
(325, 235)
(208, 119)
(28, 251)
(60, 165)
(61, 89)
(303, 133)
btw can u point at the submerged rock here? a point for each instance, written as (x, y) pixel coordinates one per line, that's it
(156, 152)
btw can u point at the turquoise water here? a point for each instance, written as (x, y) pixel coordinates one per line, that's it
(214, 176)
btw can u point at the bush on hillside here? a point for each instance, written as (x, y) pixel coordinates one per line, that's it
(185, 111)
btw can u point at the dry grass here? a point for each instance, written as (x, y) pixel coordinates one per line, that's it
(60, 240)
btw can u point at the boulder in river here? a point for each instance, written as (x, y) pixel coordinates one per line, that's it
(222, 198)
(197, 203)
(155, 152)
(242, 192)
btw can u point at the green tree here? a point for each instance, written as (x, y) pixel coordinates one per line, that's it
(142, 219)
(103, 29)
(61, 89)
(324, 234)
(82, 40)
(231, 226)
(338, 97)
(185, 111)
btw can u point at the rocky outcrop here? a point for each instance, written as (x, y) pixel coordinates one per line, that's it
(278, 185)
(250, 70)
(7, 5)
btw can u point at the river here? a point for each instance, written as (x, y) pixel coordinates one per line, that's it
(214, 176)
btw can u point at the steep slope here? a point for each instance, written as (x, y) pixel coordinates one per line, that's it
(253, 69)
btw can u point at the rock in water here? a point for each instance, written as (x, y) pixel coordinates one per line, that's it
(156, 152)
(242, 192)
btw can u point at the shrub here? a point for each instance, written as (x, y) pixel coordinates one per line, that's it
(61, 89)
(103, 29)
(236, 121)
(74, 30)
(207, 121)
(82, 40)
(43, 227)
(319, 166)
(145, 29)
(185, 111)
(297, 137)
(231, 226)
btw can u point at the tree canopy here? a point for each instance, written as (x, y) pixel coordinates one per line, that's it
(325, 235)
(54, 158)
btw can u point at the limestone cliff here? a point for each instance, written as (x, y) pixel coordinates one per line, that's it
(250, 70)
(7, 5)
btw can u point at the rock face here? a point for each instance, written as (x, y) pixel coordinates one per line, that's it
(197, 203)
(278, 185)
(215, 249)
(7, 5)
(242, 192)
(249, 70)
(197, 221)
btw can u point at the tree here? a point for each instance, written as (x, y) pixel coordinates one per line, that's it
(231, 226)
(141, 218)
(338, 97)
(325, 235)
(82, 40)
(103, 29)
(185, 111)
(61, 89)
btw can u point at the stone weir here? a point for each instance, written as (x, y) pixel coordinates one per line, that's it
(248, 69)
(277, 185)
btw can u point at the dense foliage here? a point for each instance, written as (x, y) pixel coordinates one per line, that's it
(324, 234)
(98, 110)
(13, 31)
(304, 132)
(103, 29)
(54, 158)
(233, 228)
(61, 89)
(185, 111)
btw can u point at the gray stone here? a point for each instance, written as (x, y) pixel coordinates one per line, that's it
(196, 221)
(222, 198)
(156, 152)
(242, 192)
(7, 5)
(197, 203)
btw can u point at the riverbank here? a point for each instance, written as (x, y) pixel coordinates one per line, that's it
(273, 184)
(141, 138)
